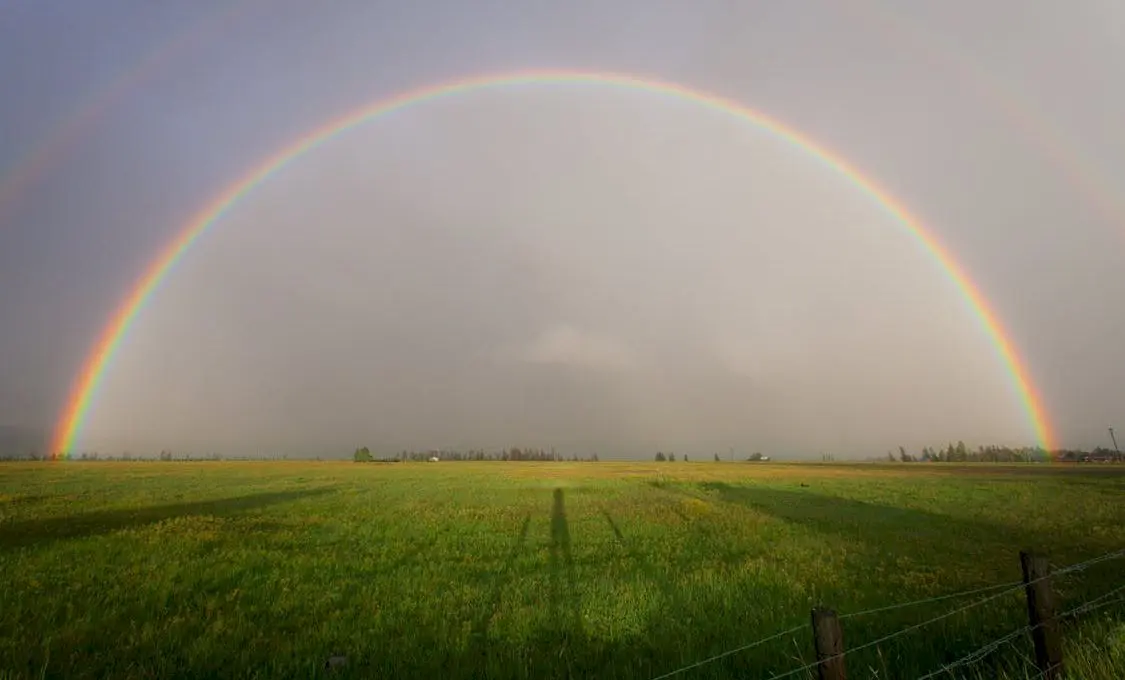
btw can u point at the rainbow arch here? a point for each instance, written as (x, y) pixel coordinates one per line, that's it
(72, 418)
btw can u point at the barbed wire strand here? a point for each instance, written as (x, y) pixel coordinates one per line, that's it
(965, 593)
(743, 648)
(1081, 609)
(978, 654)
(1065, 570)
(1009, 587)
(1093, 607)
(897, 633)
(1090, 603)
(928, 600)
(1112, 555)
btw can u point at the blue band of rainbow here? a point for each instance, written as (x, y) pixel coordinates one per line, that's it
(82, 395)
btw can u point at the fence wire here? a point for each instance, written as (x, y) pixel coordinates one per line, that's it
(1004, 588)
(743, 648)
(979, 654)
(900, 632)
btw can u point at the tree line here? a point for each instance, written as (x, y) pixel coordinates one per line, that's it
(959, 453)
(950, 453)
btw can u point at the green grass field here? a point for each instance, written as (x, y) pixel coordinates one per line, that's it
(539, 570)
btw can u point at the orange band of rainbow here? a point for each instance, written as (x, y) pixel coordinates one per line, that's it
(85, 388)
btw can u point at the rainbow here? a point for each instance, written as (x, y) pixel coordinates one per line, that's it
(85, 388)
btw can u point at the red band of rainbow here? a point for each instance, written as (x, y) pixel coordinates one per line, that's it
(82, 395)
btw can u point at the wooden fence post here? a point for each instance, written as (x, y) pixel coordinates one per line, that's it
(1041, 615)
(829, 641)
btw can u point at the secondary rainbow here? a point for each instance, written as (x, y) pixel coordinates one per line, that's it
(41, 158)
(1075, 167)
(1037, 129)
(85, 388)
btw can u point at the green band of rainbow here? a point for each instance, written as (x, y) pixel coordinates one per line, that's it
(85, 388)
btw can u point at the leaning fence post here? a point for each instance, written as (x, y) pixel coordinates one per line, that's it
(1041, 615)
(829, 643)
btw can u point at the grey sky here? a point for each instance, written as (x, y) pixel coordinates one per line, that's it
(571, 265)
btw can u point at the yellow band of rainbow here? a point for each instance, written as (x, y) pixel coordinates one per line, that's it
(71, 421)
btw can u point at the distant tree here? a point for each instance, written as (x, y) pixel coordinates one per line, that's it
(685, 457)
(756, 456)
(951, 453)
(717, 458)
(594, 458)
(671, 458)
(962, 452)
(660, 457)
(890, 457)
(362, 455)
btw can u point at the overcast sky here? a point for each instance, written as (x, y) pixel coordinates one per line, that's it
(573, 265)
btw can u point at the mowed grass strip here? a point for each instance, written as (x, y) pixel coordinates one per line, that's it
(536, 570)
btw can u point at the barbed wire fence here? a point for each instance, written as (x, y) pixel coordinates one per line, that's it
(1115, 596)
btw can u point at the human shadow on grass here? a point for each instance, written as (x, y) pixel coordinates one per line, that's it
(561, 646)
(564, 591)
(560, 640)
(38, 532)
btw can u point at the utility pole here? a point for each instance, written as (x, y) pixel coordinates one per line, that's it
(732, 454)
(1114, 440)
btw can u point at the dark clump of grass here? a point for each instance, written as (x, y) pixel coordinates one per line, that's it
(513, 570)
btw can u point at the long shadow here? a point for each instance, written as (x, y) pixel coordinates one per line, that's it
(555, 649)
(860, 519)
(35, 532)
(644, 563)
(702, 536)
(23, 500)
(955, 541)
(562, 570)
